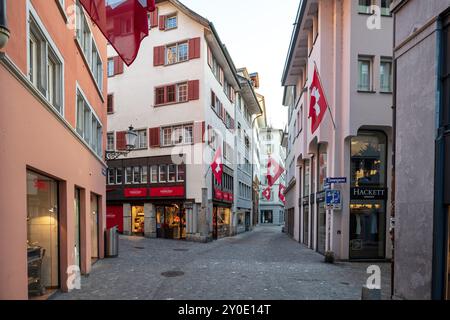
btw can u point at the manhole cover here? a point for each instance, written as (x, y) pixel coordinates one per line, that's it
(139, 248)
(172, 274)
(181, 250)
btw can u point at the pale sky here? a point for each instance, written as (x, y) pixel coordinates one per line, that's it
(257, 35)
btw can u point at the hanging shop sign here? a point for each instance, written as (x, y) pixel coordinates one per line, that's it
(368, 193)
(333, 200)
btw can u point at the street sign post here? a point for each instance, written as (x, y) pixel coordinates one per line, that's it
(339, 180)
(333, 200)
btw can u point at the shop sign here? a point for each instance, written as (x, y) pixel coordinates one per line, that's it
(368, 193)
(320, 197)
(339, 180)
(135, 193)
(218, 194)
(226, 196)
(165, 192)
(333, 200)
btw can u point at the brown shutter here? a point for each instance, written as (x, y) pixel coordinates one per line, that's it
(120, 66)
(116, 65)
(121, 143)
(203, 131)
(222, 76)
(154, 18)
(110, 103)
(162, 23)
(158, 56)
(209, 57)
(213, 100)
(154, 134)
(194, 48)
(194, 90)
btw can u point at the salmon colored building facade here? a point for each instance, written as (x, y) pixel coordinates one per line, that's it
(52, 131)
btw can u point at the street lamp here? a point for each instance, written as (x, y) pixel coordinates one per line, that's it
(130, 142)
(4, 31)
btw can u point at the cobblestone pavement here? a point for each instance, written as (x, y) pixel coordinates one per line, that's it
(264, 264)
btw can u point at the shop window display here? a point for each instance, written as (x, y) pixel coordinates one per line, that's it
(368, 216)
(221, 222)
(137, 220)
(42, 233)
(171, 222)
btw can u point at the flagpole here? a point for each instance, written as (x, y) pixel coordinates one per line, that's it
(325, 96)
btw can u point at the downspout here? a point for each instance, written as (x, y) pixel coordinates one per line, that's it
(438, 269)
(253, 165)
(4, 31)
(393, 181)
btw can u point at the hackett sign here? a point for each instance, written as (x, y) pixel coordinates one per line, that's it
(368, 193)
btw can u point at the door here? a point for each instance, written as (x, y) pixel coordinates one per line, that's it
(321, 228)
(306, 225)
(77, 223)
(94, 228)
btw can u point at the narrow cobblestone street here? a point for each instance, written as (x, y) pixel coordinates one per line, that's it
(263, 264)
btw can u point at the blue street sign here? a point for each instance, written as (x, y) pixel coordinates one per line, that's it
(326, 186)
(333, 200)
(340, 180)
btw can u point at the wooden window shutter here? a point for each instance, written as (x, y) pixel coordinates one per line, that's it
(158, 56)
(154, 18)
(203, 131)
(210, 57)
(155, 137)
(194, 90)
(120, 65)
(209, 134)
(221, 76)
(162, 23)
(110, 103)
(121, 143)
(213, 99)
(194, 48)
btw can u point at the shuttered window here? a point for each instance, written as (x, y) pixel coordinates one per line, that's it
(176, 52)
(177, 93)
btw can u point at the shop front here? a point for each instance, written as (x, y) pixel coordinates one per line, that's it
(43, 230)
(305, 203)
(223, 198)
(368, 196)
(171, 221)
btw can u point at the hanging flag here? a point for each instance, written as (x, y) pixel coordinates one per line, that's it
(274, 172)
(124, 23)
(281, 192)
(217, 165)
(267, 192)
(318, 103)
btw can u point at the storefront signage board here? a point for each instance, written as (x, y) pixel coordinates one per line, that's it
(368, 193)
(135, 192)
(165, 192)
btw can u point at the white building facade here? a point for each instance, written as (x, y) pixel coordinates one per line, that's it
(356, 76)
(180, 96)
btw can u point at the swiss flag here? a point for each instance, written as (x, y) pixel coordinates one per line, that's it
(318, 104)
(217, 165)
(274, 171)
(124, 23)
(266, 193)
(281, 191)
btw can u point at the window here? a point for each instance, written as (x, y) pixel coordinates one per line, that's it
(178, 52)
(167, 136)
(182, 92)
(141, 142)
(119, 173)
(45, 68)
(365, 74)
(175, 93)
(88, 47)
(385, 7)
(110, 145)
(88, 125)
(144, 175)
(181, 174)
(136, 175)
(111, 177)
(110, 67)
(178, 135)
(386, 75)
(364, 6)
(172, 173)
(171, 22)
(128, 175)
(269, 148)
(163, 173)
(154, 174)
(110, 104)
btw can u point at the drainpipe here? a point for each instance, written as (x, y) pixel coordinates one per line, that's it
(394, 146)
(253, 164)
(4, 31)
(439, 220)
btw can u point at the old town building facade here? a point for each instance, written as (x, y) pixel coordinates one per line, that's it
(354, 140)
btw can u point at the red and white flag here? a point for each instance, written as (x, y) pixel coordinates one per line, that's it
(318, 103)
(281, 192)
(274, 171)
(267, 192)
(123, 22)
(217, 165)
